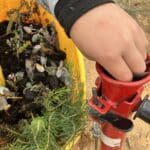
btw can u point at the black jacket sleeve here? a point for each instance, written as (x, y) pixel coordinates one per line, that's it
(68, 11)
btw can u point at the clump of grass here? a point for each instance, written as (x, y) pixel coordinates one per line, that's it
(60, 121)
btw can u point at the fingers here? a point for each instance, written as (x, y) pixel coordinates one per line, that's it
(118, 68)
(123, 67)
(134, 59)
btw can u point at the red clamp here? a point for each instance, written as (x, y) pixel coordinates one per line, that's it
(116, 97)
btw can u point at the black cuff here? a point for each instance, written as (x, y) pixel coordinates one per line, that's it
(68, 11)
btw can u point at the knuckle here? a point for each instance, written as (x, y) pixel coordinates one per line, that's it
(146, 43)
(127, 41)
(109, 56)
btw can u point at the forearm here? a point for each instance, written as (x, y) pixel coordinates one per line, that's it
(68, 11)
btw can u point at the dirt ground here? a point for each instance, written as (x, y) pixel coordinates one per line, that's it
(137, 139)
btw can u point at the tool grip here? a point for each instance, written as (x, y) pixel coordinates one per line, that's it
(143, 111)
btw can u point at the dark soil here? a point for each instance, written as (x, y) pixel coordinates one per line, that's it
(25, 107)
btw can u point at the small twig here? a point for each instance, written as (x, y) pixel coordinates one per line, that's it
(23, 142)
(14, 98)
(128, 143)
(23, 48)
(10, 130)
(59, 105)
(96, 143)
(48, 132)
(10, 25)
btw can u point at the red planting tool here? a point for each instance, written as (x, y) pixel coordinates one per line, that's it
(114, 101)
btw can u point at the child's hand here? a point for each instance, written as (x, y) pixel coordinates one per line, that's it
(108, 35)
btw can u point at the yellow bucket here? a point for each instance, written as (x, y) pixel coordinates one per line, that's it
(73, 55)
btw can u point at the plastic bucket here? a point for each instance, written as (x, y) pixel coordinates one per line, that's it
(73, 55)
